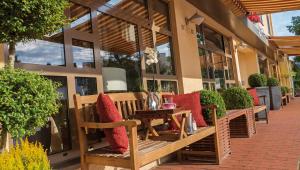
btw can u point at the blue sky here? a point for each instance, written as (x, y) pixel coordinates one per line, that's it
(281, 20)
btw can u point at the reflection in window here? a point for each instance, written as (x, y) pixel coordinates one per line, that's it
(163, 47)
(133, 8)
(83, 54)
(161, 14)
(121, 58)
(49, 51)
(263, 66)
(86, 86)
(55, 137)
(147, 37)
(81, 17)
(169, 86)
(152, 85)
(213, 39)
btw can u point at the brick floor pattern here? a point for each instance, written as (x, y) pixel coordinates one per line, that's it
(276, 146)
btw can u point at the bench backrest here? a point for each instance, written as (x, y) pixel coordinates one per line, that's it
(126, 103)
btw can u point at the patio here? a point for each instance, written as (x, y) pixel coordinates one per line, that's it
(275, 146)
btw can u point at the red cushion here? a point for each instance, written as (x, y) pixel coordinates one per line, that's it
(255, 98)
(108, 113)
(191, 102)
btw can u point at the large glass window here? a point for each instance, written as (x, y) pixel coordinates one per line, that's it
(165, 57)
(120, 53)
(215, 57)
(81, 17)
(55, 136)
(49, 51)
(83, 54)
(86, 86)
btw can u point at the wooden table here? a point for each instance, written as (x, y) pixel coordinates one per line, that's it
(147, 116)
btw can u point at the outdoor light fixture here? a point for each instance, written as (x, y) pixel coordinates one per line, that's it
(196, 18)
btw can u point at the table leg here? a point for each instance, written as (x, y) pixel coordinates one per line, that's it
(150, 129)
(181, 125)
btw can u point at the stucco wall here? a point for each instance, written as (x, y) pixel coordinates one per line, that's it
(248, 64)
(188, 64)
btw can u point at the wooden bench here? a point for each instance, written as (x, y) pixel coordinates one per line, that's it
(260, 108)
(140, 152)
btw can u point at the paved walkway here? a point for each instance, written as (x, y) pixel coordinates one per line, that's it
(275, 146)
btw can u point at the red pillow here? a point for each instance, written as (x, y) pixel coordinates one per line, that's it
(108, 113)
(191, 102)
(255, 98)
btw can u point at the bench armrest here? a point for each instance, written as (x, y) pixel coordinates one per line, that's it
(126, 123)
(213, 113)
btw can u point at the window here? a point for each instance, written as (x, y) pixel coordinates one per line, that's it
(86, 86)
(215, 57)
(83, 54)
(169, 86)
(165, 57)
(81, 18)
(161, 14)
(49, 51)
(59, 122)
(120, 53)
(152, 85)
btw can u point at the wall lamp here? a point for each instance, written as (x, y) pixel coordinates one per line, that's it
(196, 18)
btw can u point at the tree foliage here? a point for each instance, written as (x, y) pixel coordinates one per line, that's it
(237, 98)
(27, 101)
(295, 27)
(25, 20)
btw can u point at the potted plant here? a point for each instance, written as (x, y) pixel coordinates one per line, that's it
(259, 82)
(237, 98)
(27, 101)
(275, 93)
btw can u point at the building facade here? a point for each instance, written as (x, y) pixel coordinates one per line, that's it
(102, 50)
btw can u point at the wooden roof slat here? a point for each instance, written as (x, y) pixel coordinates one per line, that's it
(244, 7)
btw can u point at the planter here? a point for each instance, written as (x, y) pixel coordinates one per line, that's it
(241, 123)
(275, 97)
(204, 150)
(264, 91)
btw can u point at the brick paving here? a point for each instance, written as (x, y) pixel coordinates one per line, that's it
(276, 146)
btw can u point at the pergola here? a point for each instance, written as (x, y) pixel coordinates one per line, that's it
(289, 45)
(245, 7)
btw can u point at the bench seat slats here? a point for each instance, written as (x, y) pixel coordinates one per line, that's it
(259, 108)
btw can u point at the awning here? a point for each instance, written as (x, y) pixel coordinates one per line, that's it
(246, 7)
(289, 45)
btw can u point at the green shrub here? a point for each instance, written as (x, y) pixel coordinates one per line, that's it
(257, 80)
(27, 101)
(284, 90)
(208, 97)
(237, 98)
(25, 156)
(272, 81)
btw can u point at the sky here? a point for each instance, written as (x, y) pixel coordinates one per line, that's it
(281, 20)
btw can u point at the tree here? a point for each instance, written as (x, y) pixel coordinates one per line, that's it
(27, 101)
(295, 27)
(26, 20)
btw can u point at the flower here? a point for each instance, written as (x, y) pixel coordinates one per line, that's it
(151, 55)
